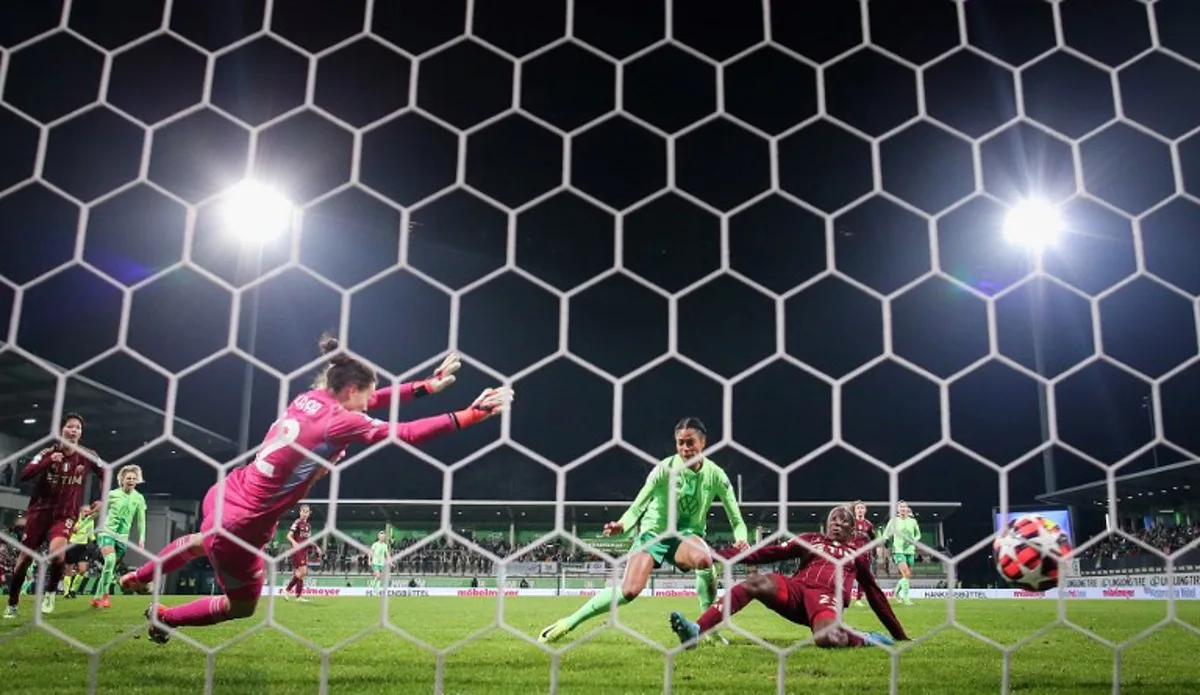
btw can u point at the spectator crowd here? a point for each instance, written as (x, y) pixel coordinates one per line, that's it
(1166, 539)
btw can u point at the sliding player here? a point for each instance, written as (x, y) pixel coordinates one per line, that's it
(79, 553)
(379, 556)
(298, 536)
(902, 534)
(320, 423)
(61, 472)
(125, 504)
(810, 596)
(864, 533)
(697, 482)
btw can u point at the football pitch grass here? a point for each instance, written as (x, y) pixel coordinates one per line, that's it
(269, 661)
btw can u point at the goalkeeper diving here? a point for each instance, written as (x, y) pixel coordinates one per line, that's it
(698, 481)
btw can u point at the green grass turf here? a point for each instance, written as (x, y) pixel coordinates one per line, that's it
(611, 662)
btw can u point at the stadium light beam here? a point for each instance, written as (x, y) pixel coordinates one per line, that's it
(1033, 223)
(255, 213)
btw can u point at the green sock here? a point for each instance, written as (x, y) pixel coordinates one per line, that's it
(904, 588)
(597, 605)
(706, 587)
(110, 562)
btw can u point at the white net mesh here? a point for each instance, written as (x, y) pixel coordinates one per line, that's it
(613, 158)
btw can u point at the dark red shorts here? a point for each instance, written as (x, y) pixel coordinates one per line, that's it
(41, 527)
(300, 558)
(801, 604)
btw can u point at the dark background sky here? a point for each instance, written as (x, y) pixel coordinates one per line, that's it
(637, 208)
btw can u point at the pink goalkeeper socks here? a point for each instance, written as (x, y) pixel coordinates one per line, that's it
(206, 611)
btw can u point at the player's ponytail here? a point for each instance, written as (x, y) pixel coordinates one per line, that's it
(342, 369)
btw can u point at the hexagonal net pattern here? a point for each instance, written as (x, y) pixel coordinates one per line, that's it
(768, 214)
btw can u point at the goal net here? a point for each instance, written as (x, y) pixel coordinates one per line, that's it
(934, 252)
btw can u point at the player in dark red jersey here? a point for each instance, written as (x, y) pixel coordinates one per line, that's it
(318, 426)
(61, 473)
(864, 533)
(810, 596)
(298, 536)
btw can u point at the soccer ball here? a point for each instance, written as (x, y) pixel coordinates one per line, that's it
(1029, 552)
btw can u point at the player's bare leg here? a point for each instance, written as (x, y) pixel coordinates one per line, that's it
(694, 554)
(637, 575)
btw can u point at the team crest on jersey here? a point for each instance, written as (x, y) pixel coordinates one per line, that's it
(79, 470)
(685, 499)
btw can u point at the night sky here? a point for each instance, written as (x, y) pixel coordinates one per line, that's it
(781, 217)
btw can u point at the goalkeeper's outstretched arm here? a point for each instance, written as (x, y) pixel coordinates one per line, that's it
(358, 427)
(442, 378)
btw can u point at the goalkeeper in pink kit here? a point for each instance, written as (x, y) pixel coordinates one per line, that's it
(318, 424)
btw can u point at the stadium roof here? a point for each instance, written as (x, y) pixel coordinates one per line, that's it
(117, 422)
(1165, 485)
(542, 513)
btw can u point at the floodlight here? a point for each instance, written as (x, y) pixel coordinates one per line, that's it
(1033, 223)
(256, 213)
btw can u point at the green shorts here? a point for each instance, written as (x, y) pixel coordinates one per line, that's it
(909, 559)
(662, 550)
(105, 540)
(377, 568)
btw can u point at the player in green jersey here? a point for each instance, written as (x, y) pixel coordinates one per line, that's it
(124, 504)
(79, 553)
(379, 556)
(902, 533)
(30, 579)
(697, 482)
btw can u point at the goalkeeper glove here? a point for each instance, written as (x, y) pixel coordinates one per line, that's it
(490, 402)
(442, 377)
